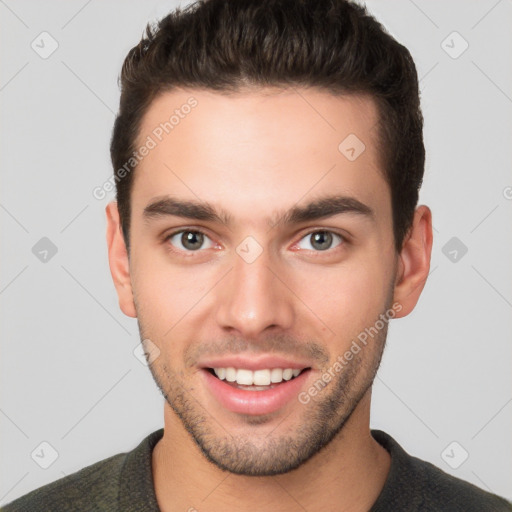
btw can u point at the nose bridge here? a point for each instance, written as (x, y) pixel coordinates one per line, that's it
(252, 298)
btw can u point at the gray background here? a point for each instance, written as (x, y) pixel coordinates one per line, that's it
(68, 373)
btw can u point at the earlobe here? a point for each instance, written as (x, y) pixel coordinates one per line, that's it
(118, 261)
(414, 261)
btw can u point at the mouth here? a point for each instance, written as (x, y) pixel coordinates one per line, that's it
(255, 392)
(257, 380)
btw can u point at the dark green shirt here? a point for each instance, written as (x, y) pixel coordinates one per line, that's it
(124, 483)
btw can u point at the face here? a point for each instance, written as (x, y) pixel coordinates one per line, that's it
(261, 251)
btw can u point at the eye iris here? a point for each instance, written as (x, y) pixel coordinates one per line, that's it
(323, 238)
(192, 240)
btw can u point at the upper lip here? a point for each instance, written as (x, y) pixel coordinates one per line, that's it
(254, 363)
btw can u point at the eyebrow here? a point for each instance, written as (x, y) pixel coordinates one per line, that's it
(318, 209)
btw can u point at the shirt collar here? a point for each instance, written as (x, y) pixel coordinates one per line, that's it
(136, 486)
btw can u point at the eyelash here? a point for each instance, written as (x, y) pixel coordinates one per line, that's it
(343, 242)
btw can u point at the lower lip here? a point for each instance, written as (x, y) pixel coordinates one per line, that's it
(254, 402)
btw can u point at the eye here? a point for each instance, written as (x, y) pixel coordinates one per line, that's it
(190, 240)
(320, 240)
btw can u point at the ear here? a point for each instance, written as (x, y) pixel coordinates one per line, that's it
(118, 261)
(414, 261)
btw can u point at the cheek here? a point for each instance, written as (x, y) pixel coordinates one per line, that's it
(165, 293)
(347, 298)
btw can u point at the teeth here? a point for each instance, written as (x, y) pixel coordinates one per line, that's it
(276, 375)
(287, 374)
(257, 378)
(230, 374)
(244, 377)
(261, 377)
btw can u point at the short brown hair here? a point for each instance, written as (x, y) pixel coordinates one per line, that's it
(225, 45)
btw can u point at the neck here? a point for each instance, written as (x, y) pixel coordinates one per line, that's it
(350, 472)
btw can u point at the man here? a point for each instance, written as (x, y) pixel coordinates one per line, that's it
(267, 156)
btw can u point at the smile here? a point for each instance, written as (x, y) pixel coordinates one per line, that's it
(255, 392)
(259, 379)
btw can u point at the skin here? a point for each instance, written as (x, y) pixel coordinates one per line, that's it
(256, 154)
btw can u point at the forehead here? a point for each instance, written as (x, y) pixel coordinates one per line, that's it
(253, 151)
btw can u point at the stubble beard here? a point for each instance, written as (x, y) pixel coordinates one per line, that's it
(278, 451)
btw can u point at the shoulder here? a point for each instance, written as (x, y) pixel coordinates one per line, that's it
(94, 487)
(414, 484)
(123, 482)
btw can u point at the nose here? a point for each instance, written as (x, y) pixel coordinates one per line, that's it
(253, 299)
